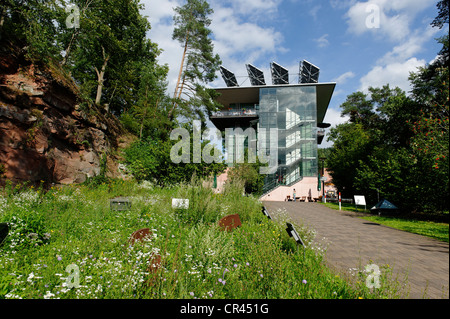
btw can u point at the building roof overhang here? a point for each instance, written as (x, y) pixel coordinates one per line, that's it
(250, 95)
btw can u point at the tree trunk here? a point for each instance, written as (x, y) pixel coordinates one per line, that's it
(142, 124)
(178, 93)
(69, 46)
(181, 89)
(145, 113)
(2, 17)
(100, 77)
(182, 65)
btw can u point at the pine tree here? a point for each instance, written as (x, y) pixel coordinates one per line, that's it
(199, 64)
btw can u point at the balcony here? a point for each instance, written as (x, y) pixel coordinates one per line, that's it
(234, 118)
(235, 113)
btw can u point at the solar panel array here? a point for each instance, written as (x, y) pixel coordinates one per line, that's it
(280, 75)
(228, 77)
(256, 75)
(308, 73)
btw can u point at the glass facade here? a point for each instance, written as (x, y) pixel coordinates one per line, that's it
(293, 112)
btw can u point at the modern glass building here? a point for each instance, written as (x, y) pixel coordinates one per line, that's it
(287, 119)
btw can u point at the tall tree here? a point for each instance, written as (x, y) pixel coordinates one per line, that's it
(443, 14)
(199, 64)
(148, 117)
(109, 52)
(34, 24)
(69, 37)
(430, 140)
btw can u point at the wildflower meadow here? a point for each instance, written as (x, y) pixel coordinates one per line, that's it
(66, 242)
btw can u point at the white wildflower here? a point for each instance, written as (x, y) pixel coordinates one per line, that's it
(48, 295)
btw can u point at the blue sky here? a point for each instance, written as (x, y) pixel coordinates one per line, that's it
(338, 36)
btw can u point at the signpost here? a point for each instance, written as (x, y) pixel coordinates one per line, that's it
(339, 200)
(360, 200)
(180, 203)
(120, 203)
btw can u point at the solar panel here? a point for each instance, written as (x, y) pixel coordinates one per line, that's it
(280, 75)
(309, 73)
(256, 75)
(228, 77)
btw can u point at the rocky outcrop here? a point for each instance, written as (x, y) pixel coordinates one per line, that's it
(46, 132)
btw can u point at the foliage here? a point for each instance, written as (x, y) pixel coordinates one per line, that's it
(256, 261)
(199, 63)
(249, 174)
(148, 117)
(376, 152)
(351, 145)
(396, 146)
(103, 54)
(31, 22)
(110, 50)
(442, 17)
(150, 160)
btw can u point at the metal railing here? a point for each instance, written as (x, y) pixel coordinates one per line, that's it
(235, 113)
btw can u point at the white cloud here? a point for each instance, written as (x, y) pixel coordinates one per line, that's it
(344, 77)
(394, 17)
(396, 74)
(253, 7)
(333, 116)
(408, 48)
(341, 4)
(234, 37)
(322, 41)
(314, 10)
(237, 38)
(395, 66)
(158, 10)
(160, 13)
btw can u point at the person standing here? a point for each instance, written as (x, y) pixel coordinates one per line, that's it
(294, 195)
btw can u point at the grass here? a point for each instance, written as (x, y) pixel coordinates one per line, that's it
(69, 233)
(432, 229)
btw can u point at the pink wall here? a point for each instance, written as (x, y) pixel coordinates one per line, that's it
(221, 179)
(279, 194)
(302, 188)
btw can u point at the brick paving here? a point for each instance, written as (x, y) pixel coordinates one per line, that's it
(354, 243)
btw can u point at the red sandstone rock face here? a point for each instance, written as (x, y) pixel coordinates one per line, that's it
(44, 134)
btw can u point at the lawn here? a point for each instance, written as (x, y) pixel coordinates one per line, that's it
(430, 229)
(67, 243)
(434, 230)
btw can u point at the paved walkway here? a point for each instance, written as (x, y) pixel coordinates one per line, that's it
(354, 243)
